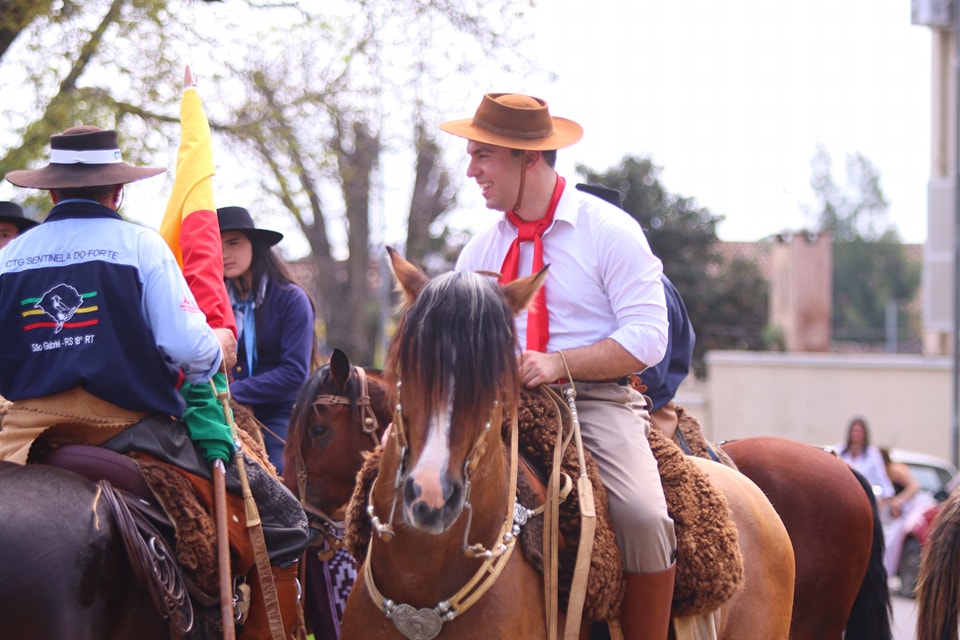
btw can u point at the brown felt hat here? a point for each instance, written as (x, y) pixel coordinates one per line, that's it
(13, 213)
(83, 156)
(517, 122)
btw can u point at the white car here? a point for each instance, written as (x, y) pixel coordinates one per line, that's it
(904, 536)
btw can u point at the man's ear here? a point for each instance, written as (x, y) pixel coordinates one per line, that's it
(532, 158)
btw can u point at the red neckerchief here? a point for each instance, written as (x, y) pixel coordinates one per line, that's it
(538, 321)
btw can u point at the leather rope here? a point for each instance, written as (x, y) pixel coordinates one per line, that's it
(588, 518)
(153, 564)
(493, 565)
(254, 528)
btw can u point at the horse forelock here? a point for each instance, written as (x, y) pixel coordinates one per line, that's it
(456, 347)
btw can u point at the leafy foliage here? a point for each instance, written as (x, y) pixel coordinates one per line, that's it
(304, 99)
(870, 267)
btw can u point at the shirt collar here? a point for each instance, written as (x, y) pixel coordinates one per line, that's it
(568, 210)
(76, 208)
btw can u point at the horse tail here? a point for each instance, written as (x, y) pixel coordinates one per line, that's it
(937, 584)
(871, 611)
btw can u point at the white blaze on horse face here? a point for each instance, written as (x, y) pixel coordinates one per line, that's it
(432, 465)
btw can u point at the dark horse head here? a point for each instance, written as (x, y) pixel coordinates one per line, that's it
(454, 356)
(340, 412)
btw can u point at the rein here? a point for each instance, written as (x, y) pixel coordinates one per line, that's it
(426, 623)
(330, 528)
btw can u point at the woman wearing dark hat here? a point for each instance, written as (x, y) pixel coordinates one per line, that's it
(12, 222)
(275, 325)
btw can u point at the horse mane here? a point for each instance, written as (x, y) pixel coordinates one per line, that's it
(457, 338)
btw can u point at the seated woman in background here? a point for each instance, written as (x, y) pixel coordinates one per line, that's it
(865, 457)
(275, 326)
(905, 486)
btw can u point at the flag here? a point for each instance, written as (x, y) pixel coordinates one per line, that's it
(189, 225)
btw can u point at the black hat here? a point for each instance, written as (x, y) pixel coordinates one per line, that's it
(238, 219)
(12, 212)
(83, 156)
(606, 193)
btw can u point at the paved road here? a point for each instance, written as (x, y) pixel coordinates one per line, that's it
(904, 618)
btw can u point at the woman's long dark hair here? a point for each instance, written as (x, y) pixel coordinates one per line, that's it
(268, 267)
(866, 434)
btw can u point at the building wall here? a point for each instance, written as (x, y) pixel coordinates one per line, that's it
(811, 397)
(801, 290)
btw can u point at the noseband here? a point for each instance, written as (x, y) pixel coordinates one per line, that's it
(425, 623)
(330, 528)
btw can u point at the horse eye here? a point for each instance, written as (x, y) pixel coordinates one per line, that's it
(319, 431)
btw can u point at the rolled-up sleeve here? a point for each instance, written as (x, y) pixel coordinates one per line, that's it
(631, 275)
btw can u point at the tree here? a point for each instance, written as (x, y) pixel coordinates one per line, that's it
(726, 300)
(871, 270)
(305, 97)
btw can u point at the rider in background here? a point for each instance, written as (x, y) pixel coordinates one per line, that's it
(12, 222)
(98, 322)
(600, 317)
(275, 324)
(103, 341)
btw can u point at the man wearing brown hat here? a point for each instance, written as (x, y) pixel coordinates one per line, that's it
(12, 222)
(600, 317)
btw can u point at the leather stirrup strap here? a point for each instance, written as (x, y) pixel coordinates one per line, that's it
(255, 530)
(551, 531)
(588, 528)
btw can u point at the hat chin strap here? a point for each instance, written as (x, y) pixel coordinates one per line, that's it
(523, 180)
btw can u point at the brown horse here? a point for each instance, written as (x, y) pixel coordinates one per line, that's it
(830, 514)
(441, 560)
(938, 584)
(64, 572)
(341, 411)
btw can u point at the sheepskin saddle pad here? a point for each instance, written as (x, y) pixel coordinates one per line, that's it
(709, 565)
(689, 437)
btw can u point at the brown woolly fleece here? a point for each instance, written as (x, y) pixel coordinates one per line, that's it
(538, 420)
(195, 532)
(709, 565)
(250, 432)
(689, 426)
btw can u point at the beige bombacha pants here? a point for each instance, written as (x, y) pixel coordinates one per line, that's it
(614, 423)
(73, 414)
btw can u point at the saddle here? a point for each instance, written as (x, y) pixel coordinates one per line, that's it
(158, 505)
(709, 565)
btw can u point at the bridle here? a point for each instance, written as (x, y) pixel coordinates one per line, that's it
(332, 529)
(412, 622)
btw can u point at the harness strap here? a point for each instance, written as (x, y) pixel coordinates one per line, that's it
(332, 528)
(588, 528)
(255, 530)
(493, 565)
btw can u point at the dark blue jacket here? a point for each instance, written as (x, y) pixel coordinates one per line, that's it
(88, 300)
(664, 379)
(285, 341)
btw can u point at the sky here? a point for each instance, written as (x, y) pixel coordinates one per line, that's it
(732, 98)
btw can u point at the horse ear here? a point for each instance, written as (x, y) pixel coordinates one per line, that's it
(340, 367)
(409, 278)
(520, 292)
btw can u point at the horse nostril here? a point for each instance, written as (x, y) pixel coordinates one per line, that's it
(411, 491)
